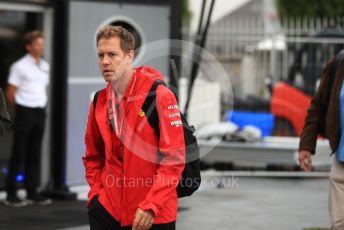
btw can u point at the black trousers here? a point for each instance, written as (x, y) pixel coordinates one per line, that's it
(100, 219)
(28, 130)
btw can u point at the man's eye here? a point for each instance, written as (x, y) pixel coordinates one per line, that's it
(100, 55)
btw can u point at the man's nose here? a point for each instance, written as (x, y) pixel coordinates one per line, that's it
(105, 60)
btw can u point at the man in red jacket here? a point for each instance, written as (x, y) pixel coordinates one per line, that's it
(132, 170)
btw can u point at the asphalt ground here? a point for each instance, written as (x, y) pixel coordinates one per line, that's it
(243, 203)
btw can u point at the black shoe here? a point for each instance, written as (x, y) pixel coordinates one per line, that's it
(36, 198)
(14, 201)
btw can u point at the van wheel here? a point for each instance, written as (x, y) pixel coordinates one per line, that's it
(283, 128)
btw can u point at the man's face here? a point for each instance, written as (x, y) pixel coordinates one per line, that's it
(113, 62)
(36, 48)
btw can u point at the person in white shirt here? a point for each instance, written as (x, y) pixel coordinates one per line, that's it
(26, 94)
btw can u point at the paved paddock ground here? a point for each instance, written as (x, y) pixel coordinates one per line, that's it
(256, 203)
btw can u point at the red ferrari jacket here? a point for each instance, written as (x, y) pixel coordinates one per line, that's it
(126, 169)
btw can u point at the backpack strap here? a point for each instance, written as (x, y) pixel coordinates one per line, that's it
(95, 99)
(149, 107)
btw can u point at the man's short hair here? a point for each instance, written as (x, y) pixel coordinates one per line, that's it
(127, 41)
(31, 36)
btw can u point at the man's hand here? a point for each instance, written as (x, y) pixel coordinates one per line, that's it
(305, 160)
(143, 219)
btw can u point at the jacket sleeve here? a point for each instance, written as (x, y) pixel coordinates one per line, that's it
(172, 148)
(5, 119)
(315, 115)
(94, 155)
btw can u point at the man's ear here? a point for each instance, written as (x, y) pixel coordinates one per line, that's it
(131, 55)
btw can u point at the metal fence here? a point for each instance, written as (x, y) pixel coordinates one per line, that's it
(272, 49)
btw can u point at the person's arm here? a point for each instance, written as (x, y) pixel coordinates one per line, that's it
(94, 156)
(316, 114)
(10, 95)
(310, 129)
(172, 147)
(308, 139)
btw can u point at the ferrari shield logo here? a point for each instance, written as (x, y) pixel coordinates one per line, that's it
(141, 113)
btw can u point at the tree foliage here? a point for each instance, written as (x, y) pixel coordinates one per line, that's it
(186, 13)
(311, 8)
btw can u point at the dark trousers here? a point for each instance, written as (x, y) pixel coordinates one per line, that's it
(100, 219)
(28, 130)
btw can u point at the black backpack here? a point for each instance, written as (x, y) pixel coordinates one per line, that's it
(191, 176)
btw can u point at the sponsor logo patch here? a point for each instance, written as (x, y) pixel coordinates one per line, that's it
(176, 123)
(142, 113)
(174, 115)
(171, 107)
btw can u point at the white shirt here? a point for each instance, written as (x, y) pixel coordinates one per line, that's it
(31, 80)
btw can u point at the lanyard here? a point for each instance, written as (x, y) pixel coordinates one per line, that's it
(113, 114)
(114, 109)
